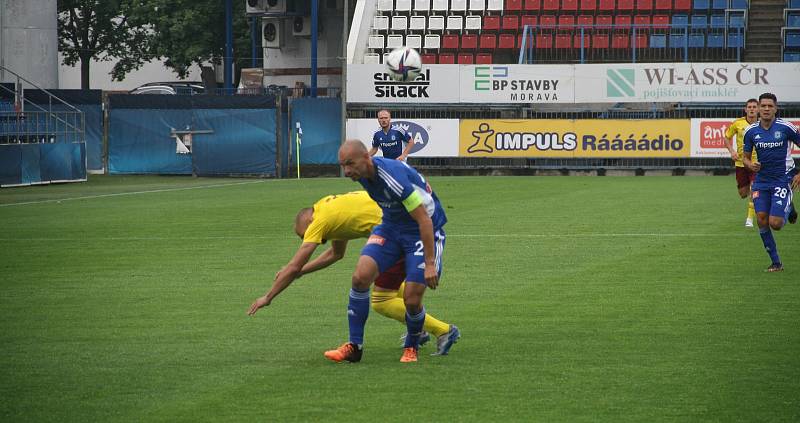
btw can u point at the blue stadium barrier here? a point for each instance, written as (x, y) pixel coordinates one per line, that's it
(26, 164)
(320, 120)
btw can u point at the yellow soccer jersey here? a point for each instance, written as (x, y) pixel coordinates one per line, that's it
(343, 217)
(737, 128)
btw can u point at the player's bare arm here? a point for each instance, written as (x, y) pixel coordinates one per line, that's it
(731, 150)
(285, 276)
(748, 162)
(426, 235)
(406, 151)
(330, 256)
(373, 151)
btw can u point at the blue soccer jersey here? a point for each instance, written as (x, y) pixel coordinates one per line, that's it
(390, 143)
(394, 182)
(774, 148)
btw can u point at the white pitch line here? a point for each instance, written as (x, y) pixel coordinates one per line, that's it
(87, 197)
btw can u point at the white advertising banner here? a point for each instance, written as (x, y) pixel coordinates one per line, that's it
(371, 84)
(685, 82)
(517, 84)
(432, 137)
(708, 137)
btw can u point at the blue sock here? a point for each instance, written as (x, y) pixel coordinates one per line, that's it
(414, 324)
(357, 313)
(769, 245)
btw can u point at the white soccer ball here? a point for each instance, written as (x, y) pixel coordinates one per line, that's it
(403, 64)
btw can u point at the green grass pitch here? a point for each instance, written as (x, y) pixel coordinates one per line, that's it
(619, 299)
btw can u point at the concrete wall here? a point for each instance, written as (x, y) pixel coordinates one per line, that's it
(29, 41)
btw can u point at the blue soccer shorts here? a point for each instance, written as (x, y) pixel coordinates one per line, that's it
(386, 245)
(775, 200)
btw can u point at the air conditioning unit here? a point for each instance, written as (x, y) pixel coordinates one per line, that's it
(275, 6)
(256, 6)
(271, 33)
(301, 26)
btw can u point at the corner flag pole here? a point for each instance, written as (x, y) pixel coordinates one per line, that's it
(298, 141)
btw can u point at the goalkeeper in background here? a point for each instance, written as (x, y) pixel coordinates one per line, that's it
(340, 218)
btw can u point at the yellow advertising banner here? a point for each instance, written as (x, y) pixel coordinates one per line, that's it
(575, 138)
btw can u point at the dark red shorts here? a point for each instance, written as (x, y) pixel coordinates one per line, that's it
(393, 276)
(744, 177)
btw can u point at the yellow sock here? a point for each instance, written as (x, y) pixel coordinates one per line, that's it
(751, 211)
(390, 304)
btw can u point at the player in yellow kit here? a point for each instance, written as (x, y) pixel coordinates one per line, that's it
(744, 176)
(338, 219)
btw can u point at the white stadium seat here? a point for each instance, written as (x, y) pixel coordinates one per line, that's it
(394, 41)
(435, 23)
(455, 23)
(375, 42)
(440, 5)
(458, 6)
(417, 23)
(477, 5)
(385, 5)
(380, 23)
(473, 23)
(432, 41)
(372, 58)
(399, 23)
(414, 41)
(494, 5)
(422, 6)
(402, 5)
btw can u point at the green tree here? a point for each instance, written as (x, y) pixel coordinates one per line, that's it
(103, 30)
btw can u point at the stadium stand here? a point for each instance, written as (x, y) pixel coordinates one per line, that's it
(569, 31)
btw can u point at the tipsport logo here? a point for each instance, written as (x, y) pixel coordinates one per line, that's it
(489, 77)
(620, 83)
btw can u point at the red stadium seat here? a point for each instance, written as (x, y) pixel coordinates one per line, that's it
(660, 21)
(569, 5)
(488, 42)
(450, 42)
(640, 40)
(506, 42)
(622, 22)
(513, 5)
(550, 5)
(566, 21)
(603, 22)
(599, 41)
(663, 5)
(586, 41)
(642, 23)
(644, 5)
(428, 59)
(588, 5)
(528, 42)
(447, 58)
(469, 42)
(563, 41)
(625, 5)
(510, 23)
(529, 20)
(483, 59)
(531, 5)
(606, 6)
(585, 21)
(544, 41)
(683, 5)
(619, 41)
(465, 59)
(491, 23)
(547, 21)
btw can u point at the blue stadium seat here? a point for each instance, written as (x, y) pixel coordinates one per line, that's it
(658, 41)
(697, 40)
(719, 4)
(794, 4)
(739, 4)
(680, 21)
(789, 56)
(736, 21)
(699, 21)
(791, 39)
(701, 5)
(715, 41)
(793, 19)
(717, 21)
(677, 40)
(735, 40)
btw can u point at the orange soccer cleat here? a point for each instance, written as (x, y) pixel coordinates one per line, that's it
(346, 352)
(409, 355)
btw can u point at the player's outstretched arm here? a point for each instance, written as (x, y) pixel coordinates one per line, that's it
(407, 150)
(330, 256)
(285, 276)
(426, 234)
